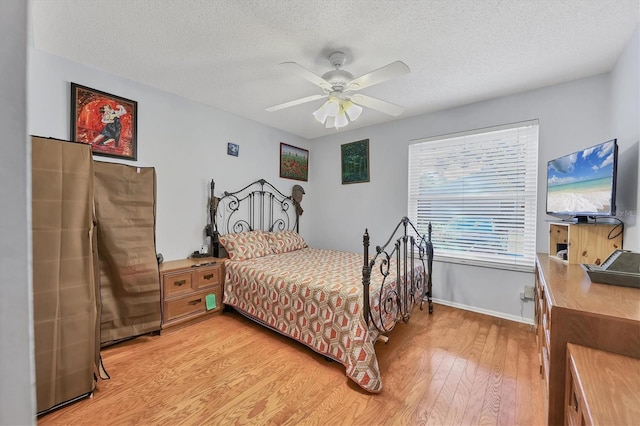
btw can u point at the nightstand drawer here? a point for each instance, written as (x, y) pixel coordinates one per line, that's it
(191, 306)
(207, 276)
(177, 284)
(185, 306)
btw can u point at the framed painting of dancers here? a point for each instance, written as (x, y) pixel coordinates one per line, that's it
(106, 122)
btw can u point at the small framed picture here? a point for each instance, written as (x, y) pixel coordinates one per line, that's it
(354, 158)
(233, 149)
(294, 162)
(106, 122)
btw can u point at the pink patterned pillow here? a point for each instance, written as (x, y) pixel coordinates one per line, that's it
(285, 241)
(245, 245)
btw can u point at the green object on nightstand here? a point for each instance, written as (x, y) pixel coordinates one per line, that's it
(210, 300)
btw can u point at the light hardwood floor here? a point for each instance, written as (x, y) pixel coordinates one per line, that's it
(451, 367)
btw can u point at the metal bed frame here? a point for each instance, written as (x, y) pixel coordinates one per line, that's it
(261, 206)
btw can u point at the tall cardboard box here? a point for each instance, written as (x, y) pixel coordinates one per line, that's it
(65, 303)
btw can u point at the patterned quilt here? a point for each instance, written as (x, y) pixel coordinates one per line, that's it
(315, 297)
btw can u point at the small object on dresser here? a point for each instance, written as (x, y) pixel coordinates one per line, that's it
(197, 255)
(203, 264)
(621, 268)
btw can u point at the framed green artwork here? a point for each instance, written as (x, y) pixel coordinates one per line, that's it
(354, 158)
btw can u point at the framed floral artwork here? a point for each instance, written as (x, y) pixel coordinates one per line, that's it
(106, 122)
(294, 162)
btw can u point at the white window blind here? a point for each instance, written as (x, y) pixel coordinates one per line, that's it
(478, 189)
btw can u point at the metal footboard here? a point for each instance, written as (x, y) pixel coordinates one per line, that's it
(407, 258)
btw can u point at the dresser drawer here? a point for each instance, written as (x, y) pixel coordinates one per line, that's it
(177, 284)
(573, 401)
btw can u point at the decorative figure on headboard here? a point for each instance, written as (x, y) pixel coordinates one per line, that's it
(211, 229)
(296, 195)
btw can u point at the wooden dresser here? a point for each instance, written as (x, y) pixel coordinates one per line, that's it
(602, 388)
(569, 308)
(191, 289)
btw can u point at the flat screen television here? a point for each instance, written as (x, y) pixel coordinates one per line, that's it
(582, 185)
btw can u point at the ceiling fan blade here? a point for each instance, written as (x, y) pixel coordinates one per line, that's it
(294, 103)
(306, 74)
(387, 72)
(377, 104)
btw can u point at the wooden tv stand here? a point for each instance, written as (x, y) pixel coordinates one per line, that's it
(569, 308)
(589, 243)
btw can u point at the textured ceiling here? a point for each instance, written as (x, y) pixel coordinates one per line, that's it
(225, 53)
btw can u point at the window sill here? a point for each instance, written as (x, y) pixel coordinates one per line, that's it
(484, 264)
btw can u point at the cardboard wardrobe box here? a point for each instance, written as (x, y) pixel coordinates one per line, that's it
(65, 303)
(125, 208)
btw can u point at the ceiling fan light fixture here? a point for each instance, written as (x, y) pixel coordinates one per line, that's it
(352, 110)
(337, 112)
(321, 113)
(332, 106)
(341, 120)
(330, 122)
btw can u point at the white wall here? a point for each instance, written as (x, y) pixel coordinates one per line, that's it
(185, 141)
(571, 116)
(17, 390)
(625, 126)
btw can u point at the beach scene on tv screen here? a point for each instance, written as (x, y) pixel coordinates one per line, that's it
(581, 182)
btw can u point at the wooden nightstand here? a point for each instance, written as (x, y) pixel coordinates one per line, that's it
(191, 289)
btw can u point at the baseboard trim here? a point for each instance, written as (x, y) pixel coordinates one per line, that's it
(484, 311)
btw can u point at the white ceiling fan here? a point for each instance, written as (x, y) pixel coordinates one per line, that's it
(339, 86)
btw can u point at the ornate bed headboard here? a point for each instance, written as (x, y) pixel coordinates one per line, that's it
(257, 206)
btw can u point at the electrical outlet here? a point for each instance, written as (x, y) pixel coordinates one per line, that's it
(528, 292)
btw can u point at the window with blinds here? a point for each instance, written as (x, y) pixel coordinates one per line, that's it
(478, 189)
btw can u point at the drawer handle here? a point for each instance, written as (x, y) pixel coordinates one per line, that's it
(208, 276)
(195, 302)
(180, 283)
